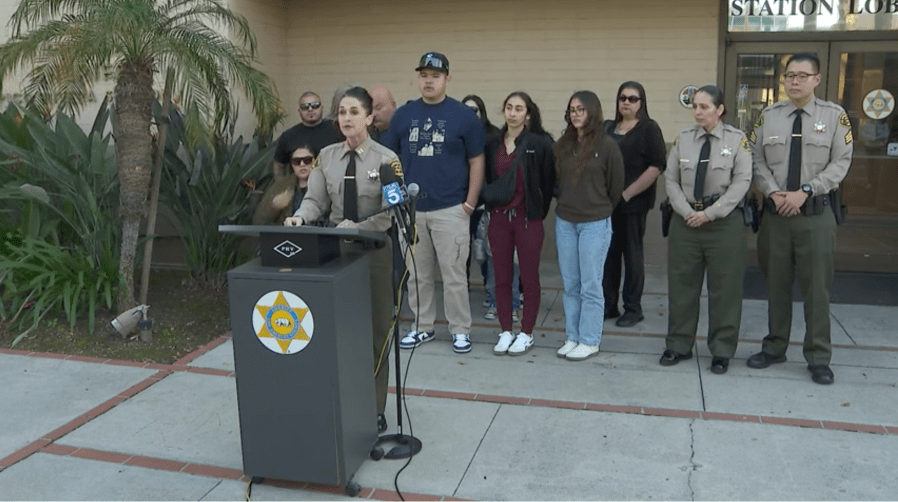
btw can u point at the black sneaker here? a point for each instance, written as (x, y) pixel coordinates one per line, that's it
(629, 319)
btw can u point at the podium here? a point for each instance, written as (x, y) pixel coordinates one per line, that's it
(301, 330)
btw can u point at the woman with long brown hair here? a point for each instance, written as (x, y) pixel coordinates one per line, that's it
(590, 171)
(517, 226)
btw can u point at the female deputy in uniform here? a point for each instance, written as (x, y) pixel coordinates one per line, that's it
(354, 165)
(708, 173)
(285, 194)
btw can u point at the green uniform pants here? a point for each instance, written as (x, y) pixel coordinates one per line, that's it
(381, 272)
(717, 247)
(798, 247)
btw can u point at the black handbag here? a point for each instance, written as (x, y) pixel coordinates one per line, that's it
(500, 192)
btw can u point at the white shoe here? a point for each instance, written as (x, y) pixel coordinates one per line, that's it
(505, 341)
(515, 316)
(461, 343)
(566, 348)
(581, 352)
(490, 314)
(521, 345)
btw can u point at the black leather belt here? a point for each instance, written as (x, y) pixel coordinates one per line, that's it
(700, 205)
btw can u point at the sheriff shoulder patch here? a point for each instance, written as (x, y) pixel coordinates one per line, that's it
(760, 121)
(317, 163)
(397, 167)
(843, 120)
(744, 144)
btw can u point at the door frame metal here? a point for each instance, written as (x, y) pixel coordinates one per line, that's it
(734, 49)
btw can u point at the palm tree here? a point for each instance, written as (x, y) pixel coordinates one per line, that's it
(66, 46)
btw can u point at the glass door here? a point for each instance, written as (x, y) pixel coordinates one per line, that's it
(863, 78)
(753, 77)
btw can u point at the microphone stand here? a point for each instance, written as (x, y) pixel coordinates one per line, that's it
(406, 445)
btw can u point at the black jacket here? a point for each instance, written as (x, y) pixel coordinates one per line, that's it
(538, 161)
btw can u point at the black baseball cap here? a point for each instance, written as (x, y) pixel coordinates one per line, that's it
(433, 60)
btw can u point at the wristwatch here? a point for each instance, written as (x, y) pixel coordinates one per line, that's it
(807, 190)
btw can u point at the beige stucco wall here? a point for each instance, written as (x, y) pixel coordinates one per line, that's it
(548, 49)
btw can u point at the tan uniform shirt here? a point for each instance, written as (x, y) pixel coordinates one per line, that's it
(728, 174)
(325, 191)
(827, 145)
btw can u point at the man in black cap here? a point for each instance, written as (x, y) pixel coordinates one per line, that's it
(440, 143)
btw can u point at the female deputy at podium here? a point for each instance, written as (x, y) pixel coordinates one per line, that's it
(284, 196)
(330, 189)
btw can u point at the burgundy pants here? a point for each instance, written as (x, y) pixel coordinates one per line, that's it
(509, 231)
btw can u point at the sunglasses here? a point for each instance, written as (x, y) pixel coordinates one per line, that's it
(314, 105)
(632, 99)
(432, 62)
(298, 161)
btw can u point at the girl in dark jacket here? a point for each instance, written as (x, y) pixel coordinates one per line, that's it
(518, 225)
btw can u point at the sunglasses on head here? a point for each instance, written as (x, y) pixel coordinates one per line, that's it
(314, 105)
(632, 99)
(298, 161)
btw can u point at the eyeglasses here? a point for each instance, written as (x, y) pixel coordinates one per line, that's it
(475, 109)
(632, 99)
(314, 105)
(576, 111)
(298, 161)
(801, 77)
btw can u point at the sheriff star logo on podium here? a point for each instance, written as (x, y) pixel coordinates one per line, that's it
(282, 322)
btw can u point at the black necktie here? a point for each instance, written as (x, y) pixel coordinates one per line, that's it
(794, 179)
(350, 193)
(702, 169)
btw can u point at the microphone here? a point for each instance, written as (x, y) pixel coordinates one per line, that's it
(398, 197)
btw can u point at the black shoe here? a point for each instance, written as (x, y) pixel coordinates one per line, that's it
(381, 423)
(669, 358)
(820, 373)
(720, 365)
(762, 360)
(612, 313)
(629, 319)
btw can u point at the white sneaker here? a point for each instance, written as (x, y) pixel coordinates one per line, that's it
(515, 316)
(486, 303)
(581, 352)
(505, 340)
(461, 343)
(521, 345)
(566, 348)
(490, 314)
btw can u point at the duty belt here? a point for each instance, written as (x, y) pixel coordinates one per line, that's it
(700, 205)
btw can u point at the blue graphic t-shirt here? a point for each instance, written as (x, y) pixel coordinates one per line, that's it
(434, 143)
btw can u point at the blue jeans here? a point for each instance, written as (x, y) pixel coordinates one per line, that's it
(582, 248)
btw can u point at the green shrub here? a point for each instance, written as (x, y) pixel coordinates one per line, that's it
(206, 187)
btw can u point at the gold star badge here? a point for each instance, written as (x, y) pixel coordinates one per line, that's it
(282, 322)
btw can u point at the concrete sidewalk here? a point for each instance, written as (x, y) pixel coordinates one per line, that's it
(535, 427)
